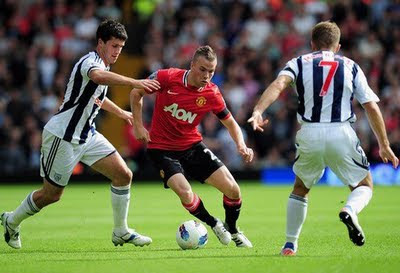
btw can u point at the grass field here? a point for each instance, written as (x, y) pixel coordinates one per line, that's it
(74, 235)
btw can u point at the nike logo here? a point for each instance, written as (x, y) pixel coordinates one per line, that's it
(172, 93)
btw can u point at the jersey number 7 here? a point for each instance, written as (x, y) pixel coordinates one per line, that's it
(333, 65)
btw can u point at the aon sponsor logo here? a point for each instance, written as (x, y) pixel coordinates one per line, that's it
(180, 114)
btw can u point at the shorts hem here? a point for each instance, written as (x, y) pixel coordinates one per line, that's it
(102, 158)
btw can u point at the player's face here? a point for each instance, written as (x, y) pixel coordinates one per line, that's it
(111, 50)
(202, 71)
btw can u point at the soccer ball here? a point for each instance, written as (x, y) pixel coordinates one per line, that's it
(191, 235)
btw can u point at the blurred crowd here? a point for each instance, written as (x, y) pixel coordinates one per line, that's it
(40, 40)
(254, 40)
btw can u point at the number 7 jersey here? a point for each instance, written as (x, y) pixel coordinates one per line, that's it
(326, 84)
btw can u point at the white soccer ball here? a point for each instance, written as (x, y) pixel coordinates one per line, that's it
(191, 235)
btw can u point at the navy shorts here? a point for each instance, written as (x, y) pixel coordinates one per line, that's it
(197, 162)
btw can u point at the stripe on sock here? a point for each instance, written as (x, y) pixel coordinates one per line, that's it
(232, 202)
(194, 204)
(297, 197)
(31, 204)
(119, 191)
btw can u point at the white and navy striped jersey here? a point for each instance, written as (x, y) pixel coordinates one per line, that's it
(326, 84)
(74, 121)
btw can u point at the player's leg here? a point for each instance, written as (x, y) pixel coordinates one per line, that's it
(349, 162)
(172, 174)
(356, 202)
(56, 155)
(223, 180)
(190, 200)
(203, 164)
(101, 156)
(31, 205)
(195, 206)
(295, 216)
(309, 167)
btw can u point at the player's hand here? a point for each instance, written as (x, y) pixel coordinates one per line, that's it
(148, 85)
(141, 134)
(257, 121)
(386, 153)
(127, 116)
(246, 153)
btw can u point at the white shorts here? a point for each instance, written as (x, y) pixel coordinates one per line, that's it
(335, 145)
(59, 158)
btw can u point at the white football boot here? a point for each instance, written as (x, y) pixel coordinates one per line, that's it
(220, 231)
(131, 237)
(11, 236)
(241, 240)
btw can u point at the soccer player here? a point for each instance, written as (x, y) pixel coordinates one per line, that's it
(175, 145)
(326, 83)
(70, 136)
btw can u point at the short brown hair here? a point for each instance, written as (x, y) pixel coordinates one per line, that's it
(109, 29)
(325, 35)
(206, 52)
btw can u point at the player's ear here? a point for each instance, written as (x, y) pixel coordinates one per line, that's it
(312, 46)
(337, 48)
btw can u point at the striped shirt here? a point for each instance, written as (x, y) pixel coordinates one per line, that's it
(326, 84)
(74, 121)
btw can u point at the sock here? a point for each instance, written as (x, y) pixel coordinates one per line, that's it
(120, 197)
(296, 214)
(197, 209)
(232, 211)
(27, 209)
(358, 199)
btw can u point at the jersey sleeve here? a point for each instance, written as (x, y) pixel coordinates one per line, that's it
(362, 92)
(90, 64)
(162, 76)
(220, 109)
(291, 69)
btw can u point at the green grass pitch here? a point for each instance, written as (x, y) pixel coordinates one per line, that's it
(74, 235)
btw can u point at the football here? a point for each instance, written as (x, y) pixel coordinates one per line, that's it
(191, 235)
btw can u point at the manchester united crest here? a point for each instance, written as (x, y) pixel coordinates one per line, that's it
(201, 101)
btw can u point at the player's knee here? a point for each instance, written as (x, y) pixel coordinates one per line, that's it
(128, 175)
(367, 181)
(186, 195)
(233, 191)
(124, 177)
(50, 198)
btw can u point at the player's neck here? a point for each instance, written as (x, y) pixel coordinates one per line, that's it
(101, 54)
(326, 49)
(190, 83)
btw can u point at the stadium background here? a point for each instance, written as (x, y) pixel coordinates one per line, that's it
(41, 39)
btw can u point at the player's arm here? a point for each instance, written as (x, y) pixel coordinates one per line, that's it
(136, 100)
(270, 95)
(104, 77)
(111, 107)
(237, 136)
(378, 127)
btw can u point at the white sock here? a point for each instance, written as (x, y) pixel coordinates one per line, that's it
(296, 214)
(120, 197)
(27, 209)
(358, 199)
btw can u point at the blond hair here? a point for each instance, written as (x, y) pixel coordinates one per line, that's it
(325, 35)
(206, 52)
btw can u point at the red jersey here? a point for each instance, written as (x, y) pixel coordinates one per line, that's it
(179, 108)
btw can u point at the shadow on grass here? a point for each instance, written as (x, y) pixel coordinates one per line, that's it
(178, 258)
(172, 251)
